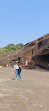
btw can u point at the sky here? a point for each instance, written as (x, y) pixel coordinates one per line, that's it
(22, 21)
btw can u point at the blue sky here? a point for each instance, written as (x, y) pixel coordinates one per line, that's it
(23, 20)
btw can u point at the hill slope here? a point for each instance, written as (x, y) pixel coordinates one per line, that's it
(35, 52)
(10, 48)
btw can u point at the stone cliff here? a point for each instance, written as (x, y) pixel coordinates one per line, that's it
(35, 53)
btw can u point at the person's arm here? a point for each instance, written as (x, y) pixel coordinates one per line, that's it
(14, 68)
(21, 68)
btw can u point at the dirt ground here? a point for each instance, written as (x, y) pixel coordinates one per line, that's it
(29, 94)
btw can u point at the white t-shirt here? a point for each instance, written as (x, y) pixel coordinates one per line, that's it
(16, 66)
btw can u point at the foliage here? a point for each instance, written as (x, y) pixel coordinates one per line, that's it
(10, 48)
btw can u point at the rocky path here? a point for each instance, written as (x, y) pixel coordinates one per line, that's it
(29, 94)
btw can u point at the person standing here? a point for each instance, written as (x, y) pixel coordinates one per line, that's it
(16, 67)
(19, 72)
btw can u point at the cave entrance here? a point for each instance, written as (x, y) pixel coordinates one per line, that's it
(44, 58)
(42, 61)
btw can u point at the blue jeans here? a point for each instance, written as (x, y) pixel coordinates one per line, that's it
(16, 72)
(19, 76)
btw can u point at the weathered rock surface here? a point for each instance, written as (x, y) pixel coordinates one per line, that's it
(9, 58)
(35, 53)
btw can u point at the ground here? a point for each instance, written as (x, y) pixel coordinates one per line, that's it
(29, 94)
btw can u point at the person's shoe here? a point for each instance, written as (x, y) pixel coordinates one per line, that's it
(19, 79)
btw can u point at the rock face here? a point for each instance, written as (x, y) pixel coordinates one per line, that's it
(36, 52)
(9, 58)
(33, 53)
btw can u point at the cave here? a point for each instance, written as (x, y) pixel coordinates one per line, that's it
(42, 61)
(44, 58)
